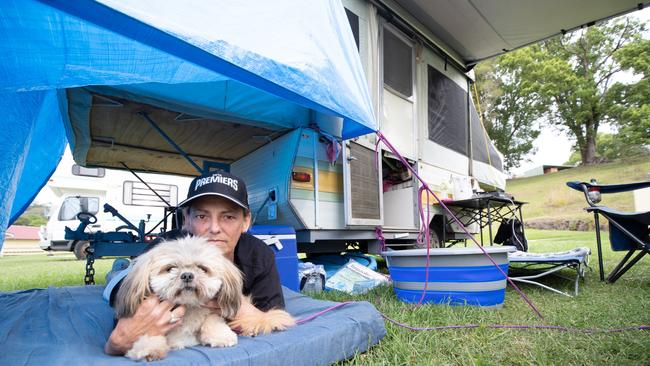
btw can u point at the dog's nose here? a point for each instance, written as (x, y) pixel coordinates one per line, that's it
(187, 276)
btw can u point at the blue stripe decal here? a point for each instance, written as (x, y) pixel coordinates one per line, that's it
(483, 298)
(448, 274)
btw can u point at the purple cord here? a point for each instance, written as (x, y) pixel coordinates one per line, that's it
(315, 315)
(380, 236)
(383, 139)
(490, 326)
(427, 240)
(538, 327)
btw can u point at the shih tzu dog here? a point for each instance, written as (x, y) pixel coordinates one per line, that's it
(190, 272)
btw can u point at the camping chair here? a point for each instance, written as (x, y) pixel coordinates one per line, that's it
(628, 231)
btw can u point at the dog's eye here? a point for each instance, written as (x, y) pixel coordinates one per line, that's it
(169, 269)
(204, 269)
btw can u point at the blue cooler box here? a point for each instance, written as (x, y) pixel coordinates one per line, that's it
(282, 239)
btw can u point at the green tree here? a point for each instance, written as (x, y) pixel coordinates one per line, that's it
(31, 220)
(509, 109)
(633, 100)
(33, 216)
(573, 76)
(611, 147)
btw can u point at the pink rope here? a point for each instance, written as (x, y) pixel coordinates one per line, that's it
(506, 326)
(383, 139)
(427, 240)
(380, 236)
(316, 315)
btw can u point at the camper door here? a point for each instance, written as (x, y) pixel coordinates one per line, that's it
(362, 182)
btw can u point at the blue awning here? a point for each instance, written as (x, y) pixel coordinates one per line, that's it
(269, 62)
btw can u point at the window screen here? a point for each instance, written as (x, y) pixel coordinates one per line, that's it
(447, 112)
(398, 64)
(482, 148)
(353, 19)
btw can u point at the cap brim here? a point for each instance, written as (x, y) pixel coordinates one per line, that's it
(189, 200)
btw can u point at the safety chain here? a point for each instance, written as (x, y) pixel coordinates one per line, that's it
(90, 270)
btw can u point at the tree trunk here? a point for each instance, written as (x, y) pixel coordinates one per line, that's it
(588, 152)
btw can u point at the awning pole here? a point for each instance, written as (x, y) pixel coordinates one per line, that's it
(169, 140)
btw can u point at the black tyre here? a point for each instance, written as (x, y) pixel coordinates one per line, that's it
(434, 241)
(80, 249)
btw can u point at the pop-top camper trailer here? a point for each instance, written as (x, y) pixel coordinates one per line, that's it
(74, 189)
(291, 110)
(332, 192)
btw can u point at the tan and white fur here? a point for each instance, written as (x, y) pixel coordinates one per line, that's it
(190, 272)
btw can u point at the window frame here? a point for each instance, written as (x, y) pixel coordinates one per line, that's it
(78, 198)
(408, 42)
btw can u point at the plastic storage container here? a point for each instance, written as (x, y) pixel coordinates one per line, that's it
(282, 239)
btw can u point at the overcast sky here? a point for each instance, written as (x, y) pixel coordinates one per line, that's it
(554, 147)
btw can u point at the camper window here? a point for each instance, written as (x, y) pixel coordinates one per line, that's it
(74, 205)
(447, 112)
(353, 19)
(88, 172)
(398, 64)
(150, 194)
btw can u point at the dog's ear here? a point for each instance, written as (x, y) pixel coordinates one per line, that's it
(135, 287)
(229, 296)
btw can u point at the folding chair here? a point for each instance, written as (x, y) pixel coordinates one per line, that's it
(536, 265)
(628, 231)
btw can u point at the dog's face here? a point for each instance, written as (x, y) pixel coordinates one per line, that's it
(188, 271)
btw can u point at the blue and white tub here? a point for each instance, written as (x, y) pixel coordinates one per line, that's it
(457, 276)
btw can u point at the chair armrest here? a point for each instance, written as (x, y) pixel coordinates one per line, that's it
(609, 188)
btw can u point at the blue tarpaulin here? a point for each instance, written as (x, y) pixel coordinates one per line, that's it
(270, 62)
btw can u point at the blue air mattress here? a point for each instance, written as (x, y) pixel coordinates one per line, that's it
(69, 325)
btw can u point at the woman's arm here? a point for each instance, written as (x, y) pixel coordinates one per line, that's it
(152, 318)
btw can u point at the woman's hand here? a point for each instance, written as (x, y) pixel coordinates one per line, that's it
(153, 317)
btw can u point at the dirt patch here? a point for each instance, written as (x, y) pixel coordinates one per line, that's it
(565, 224)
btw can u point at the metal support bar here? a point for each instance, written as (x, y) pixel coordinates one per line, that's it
(615, 276)
(162, 133)
(527, 279)
(489, 215)
(600, 248)
(541, 285)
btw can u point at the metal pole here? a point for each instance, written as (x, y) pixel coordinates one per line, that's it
(170, 141)
(600, 250)
(489, 221)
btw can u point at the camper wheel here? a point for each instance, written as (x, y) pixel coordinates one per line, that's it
(435, 241)
(80, 249)
(435, 234)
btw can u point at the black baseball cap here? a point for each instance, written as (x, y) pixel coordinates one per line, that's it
(221, 184)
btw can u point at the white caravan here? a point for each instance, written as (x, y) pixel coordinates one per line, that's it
(77, 189)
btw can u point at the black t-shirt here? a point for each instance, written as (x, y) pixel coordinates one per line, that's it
(256, 261)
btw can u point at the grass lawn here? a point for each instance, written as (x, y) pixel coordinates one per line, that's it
(599, 305)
